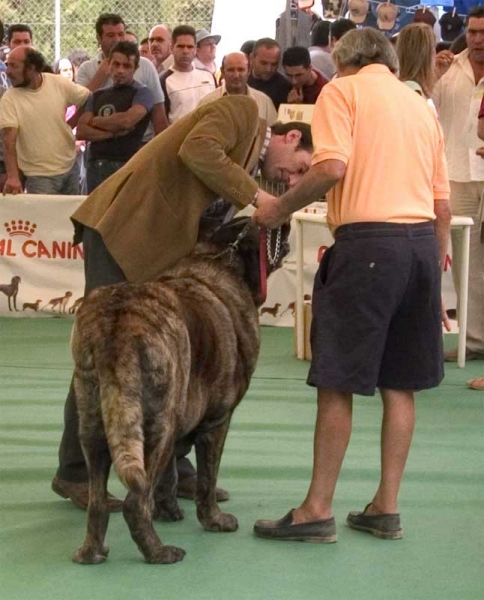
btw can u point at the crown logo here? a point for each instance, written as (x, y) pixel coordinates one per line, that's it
(20, 227)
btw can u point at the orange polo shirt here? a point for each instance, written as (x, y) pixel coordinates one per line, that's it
(391, 143)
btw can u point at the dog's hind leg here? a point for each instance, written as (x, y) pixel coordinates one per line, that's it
(98, 459)
(166, 503)
(208, 447)
(138, 511)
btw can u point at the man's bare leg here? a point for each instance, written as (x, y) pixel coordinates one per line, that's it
(331, 437)
(396, 436)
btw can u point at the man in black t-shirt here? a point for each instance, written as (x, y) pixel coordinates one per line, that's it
(115, 117)
(264, 76)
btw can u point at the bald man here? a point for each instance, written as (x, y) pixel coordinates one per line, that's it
(159, 43)
(235, 73)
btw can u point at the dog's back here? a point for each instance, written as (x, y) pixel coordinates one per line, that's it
(178, 352)
(158, 362)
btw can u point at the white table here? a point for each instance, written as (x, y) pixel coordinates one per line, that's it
(318, 217)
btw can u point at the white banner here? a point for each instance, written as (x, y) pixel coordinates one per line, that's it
(42, 274)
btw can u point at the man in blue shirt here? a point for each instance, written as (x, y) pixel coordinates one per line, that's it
(115, 117)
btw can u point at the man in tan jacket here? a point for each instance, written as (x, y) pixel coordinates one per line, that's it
(146, 217)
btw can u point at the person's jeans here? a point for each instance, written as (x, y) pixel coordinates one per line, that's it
(98, 170)
(66, 184)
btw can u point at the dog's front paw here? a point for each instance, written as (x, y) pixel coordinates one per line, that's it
(165, 555)
(87, 555)
(220, 522)
(168, 512)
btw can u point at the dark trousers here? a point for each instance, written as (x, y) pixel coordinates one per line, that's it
(98, 170)
(100, 269)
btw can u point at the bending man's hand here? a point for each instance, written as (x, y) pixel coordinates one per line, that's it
(269, 213)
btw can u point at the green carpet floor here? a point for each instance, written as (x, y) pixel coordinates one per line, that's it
(266, 466)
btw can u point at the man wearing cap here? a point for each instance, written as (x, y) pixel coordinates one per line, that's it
(454, 95)
(183, 84)
(206, 51)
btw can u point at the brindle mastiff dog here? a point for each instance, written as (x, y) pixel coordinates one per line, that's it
(155, 363)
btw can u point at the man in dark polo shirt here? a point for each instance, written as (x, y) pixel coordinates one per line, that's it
(264, 76)
(307, 82)
(116, 117)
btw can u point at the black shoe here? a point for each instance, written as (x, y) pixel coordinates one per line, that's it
(78, 493)
(386, 527)
(323, 531)
(187, 488)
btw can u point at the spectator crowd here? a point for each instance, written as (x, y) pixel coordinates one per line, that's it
(93, 114)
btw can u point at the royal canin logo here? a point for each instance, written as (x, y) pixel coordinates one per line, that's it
(32, 248)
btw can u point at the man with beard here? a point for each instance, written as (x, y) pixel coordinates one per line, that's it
(32, 115)
(146, 217)
(453, 95)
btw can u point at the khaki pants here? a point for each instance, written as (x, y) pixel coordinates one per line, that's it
(465, 199)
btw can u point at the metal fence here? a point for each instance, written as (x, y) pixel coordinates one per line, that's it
(60, 26)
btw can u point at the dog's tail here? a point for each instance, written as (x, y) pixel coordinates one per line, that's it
(123, 424)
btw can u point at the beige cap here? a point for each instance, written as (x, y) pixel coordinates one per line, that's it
(386, 16)
(358, 10)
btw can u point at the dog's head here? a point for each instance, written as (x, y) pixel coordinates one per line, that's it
(239, 244)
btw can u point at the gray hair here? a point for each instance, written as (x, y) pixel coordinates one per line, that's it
(362, 47)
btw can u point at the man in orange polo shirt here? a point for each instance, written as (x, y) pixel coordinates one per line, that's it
(376, 300)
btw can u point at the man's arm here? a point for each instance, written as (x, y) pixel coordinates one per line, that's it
(13, 185)
(159, 118)
(443, 215)
(86, 131)
(122, 121)
(99, 78)
(320, 178)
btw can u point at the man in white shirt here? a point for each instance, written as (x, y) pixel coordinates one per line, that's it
(235, 73)
(183, 84)
(37, 139)
(94, 73)
(320, 50)
(453, 96)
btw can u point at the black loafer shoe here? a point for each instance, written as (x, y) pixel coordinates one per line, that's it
(78, 493)
(323, 531)
(386, 527)
(187, 488)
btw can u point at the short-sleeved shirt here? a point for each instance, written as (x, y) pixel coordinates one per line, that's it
(45, 143)
(114, 99)
(391, 143)
(184, 90)
(146, 74)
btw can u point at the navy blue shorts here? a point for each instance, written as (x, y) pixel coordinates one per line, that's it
(377, 310)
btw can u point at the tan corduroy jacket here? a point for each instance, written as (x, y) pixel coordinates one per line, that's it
(148, 212)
